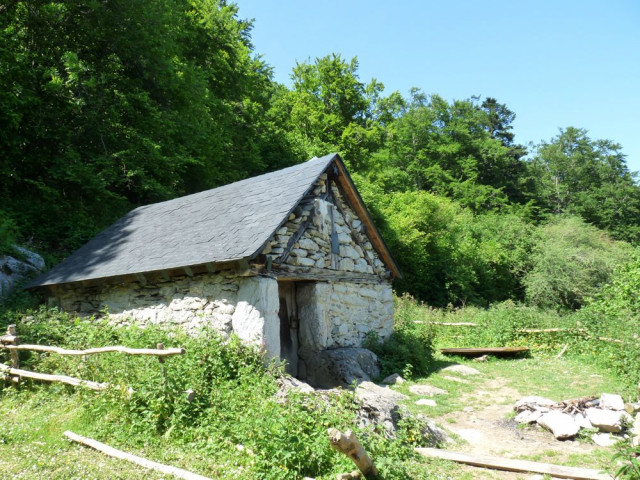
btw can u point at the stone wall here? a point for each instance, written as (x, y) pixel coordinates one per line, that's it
(330, 214)
(336, 315)
(247, 306)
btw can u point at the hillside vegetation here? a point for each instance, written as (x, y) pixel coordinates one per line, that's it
(106, 106)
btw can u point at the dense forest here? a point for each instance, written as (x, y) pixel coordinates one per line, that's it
(106, 106)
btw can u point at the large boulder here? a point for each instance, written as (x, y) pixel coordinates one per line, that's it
(561, 425)
(607, 420)
(379, 407)
(341, 367)
(16, 268)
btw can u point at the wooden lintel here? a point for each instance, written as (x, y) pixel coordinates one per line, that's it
(188, 271)
(286, 272)
(141, 278)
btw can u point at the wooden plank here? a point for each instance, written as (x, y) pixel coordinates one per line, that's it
(93, 351)
(497, 351)
(498, 463)
(143, 462)
(455, 324)
(542, 330)
(45, 377)
(296, 237)
(355, 202)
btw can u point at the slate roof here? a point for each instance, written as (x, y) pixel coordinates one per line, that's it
(229, 223)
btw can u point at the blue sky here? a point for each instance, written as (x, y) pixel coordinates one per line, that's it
(554, 63)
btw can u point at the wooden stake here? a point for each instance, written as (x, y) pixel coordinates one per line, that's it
(15, 357)
(45, 377)
(143, 462)
(564, 349)
(348, 444)
(160, 346)
(512, 465)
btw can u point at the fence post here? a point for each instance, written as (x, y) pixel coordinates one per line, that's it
(12, 339)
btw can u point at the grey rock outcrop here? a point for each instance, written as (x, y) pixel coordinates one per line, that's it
(14, 271)
(379, 406)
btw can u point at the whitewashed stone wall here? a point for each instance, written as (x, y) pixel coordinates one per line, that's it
(336, 315)
(248, 306)
(313, 249)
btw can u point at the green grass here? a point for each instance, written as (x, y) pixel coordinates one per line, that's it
(235, 405)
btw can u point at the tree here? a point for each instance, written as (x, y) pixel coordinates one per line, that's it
(577, 175)
(107, 105)
(331, 110)
(450, 149)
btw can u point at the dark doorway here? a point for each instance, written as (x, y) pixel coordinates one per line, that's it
(288, 326)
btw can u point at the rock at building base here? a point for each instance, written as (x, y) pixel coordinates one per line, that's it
(341, 367)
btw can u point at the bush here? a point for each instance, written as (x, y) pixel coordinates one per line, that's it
(570, 263)
(409, 349)
(614, 313)
(234, 403)
(501, 325)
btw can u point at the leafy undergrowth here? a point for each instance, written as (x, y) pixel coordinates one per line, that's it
(234, 427)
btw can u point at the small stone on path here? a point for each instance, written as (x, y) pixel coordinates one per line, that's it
(606, 420)
(582, 421)
(426, 401)
(470, 435)
(455, 379)
(394, 379)
(461, 369)
(468, 409)
(528, 416)
(611, 401)
(428, 390)
(604, 439)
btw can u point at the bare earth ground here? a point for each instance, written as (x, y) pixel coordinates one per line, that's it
(486, 427)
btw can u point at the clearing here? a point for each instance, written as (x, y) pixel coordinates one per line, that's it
(478, 411)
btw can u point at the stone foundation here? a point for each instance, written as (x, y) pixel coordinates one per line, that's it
(331, 315)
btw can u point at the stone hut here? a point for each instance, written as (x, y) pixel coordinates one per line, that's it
(289, 260)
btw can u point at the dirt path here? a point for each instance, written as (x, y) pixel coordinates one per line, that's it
(487, 428)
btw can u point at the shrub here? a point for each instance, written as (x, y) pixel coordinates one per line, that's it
(570, 263)
(234, 405)
(409, 349)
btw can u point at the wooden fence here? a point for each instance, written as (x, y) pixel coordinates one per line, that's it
(11, 342)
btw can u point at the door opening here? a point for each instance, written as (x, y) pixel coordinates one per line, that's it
(288, 314)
